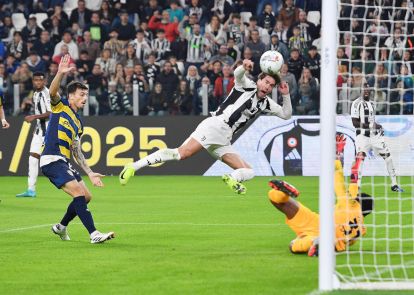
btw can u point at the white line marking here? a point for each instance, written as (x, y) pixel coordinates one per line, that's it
(152, 223)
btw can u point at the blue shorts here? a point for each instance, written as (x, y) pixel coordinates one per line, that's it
(60, 172)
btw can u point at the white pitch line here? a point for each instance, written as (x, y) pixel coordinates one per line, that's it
(152, 223)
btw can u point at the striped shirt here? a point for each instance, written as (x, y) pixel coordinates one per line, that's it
(242, 103)
(41, 102)
(142, 49)
(160, 47)
(365, 112)
(195, 51)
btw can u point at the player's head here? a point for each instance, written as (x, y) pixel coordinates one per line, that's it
(265, 84)
(367, 203)
(366, 91)
(38, 80)
(77, 94)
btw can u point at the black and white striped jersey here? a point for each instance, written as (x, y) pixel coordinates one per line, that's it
(41, 102)
(242, 104)
(365, 112)
(142, 49)
(160, 47)
(195, 50)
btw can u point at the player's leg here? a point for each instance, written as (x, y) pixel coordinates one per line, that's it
(242, 171)
(362, 144)
(35, 151)
(283, 203)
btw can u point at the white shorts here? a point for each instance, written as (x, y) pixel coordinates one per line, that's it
(36, 145)
(215, 136)
(376, 143)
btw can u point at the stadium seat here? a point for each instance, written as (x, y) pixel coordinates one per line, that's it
(314, 17)
(245, 16)
(70, 5)
(40, 17)
(19, 21)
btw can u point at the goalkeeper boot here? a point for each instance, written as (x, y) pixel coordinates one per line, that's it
(285, 187)
(126, 174)
(397, 188)
(27, 194)
(233, 184)
(98, 237)
(61, 231)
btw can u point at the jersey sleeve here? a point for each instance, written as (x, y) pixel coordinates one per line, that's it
(241, 82)
(284, 111)
(355, 110)
(339, 185)
(46, 100)
(58, 107)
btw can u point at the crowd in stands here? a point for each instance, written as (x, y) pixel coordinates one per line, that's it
(170, 49)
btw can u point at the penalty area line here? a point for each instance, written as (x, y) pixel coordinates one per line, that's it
(10, 230)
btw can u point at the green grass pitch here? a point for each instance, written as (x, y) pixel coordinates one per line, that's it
(175, 235)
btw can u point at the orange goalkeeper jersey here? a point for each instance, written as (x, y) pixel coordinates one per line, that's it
(349, 221)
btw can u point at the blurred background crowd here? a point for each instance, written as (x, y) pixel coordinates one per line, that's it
(171, 48)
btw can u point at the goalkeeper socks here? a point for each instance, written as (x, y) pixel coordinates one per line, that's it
(391, 170)
(33, 172)
(70, 214)
(356, 170)
(277, 197)
(242, 174)
(159, 156)
(83, 212)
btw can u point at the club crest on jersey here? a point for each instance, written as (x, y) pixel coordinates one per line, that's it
(292, 142)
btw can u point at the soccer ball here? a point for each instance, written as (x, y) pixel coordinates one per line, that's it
(271, 62)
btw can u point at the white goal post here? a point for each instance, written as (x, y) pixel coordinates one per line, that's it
(383, 259)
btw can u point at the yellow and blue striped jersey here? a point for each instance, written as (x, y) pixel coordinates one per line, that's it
(64, 127)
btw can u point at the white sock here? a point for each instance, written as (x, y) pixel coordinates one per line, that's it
(242, 174)
(94, 233)
(159, 156)
(33, 172)
(62, 226)
(391, 170)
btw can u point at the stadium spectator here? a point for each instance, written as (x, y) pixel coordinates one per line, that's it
(125, 29)
(298, 42)
(182, 100)
(158, 22)
(262, 4)
(295, 63)
(61, 15)
(288, 77)
(107, 64)
(214, 71)
(17, 47)
(115, 46)
(36, 63)
(51, 73)
(206, 85)
(248, 54)
(119, 77)
(407, 92)
(72, 47)
(267, 19)
(313, 62)
(151, 70)
(288, 14)
(178, 66)
(97, 88)
(308, 94)
(55, 28)
(175, 11)
(80, 15)
(198, 47)
(161, 46)
(84, 64)
(355, 82)
(308, 31)
(235, 30)
(129, 59)
(220, 8)
(256, 46)
(215, 34)
(97, 30)
(222, 86)
(276, 44)
(89, 45)
(343, 61)
(3, 50)
(158, 101)
(223, 56)
(149, 36)
(179, 47)
(150, 10)
(23, 77)
(263, 34)
(106, 15)
(194, 82)
(141, 46)
(64, 49)
(44, 46)
(31, 32)
(115, 99)
(168, 79)
(196, 8)
(233, 50)
(406, 60)
(7, 29)
(11, 64)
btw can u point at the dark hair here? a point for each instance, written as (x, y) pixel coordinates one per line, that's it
(75, 85)
(276, 77)
(39, 74)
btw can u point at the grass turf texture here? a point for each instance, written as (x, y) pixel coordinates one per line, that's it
(175, 235)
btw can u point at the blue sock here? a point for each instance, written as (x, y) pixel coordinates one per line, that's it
(70, 214)
(83, 213)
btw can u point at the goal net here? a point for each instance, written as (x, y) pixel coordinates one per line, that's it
(375, 45)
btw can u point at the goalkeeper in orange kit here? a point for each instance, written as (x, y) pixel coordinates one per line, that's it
(350, 210)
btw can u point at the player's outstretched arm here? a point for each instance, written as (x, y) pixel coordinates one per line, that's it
(80, 159)
(64, 68)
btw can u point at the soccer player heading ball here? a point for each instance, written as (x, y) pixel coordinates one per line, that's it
(245, 101)
(350, 210)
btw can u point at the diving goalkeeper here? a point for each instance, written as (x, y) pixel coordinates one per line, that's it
(350, 210)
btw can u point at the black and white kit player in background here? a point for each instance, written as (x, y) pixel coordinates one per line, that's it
(369, 135)
(42, 110)
(245, 101)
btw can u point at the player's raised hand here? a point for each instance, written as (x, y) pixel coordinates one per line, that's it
(247, 65)
(283, 88)
(340, 143)
(64, 65)
(96, 179)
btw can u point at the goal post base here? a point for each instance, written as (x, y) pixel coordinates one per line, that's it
(377, 286)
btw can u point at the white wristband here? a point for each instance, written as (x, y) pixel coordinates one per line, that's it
(3, 121)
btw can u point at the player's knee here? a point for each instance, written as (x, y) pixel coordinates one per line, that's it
(385, 156)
